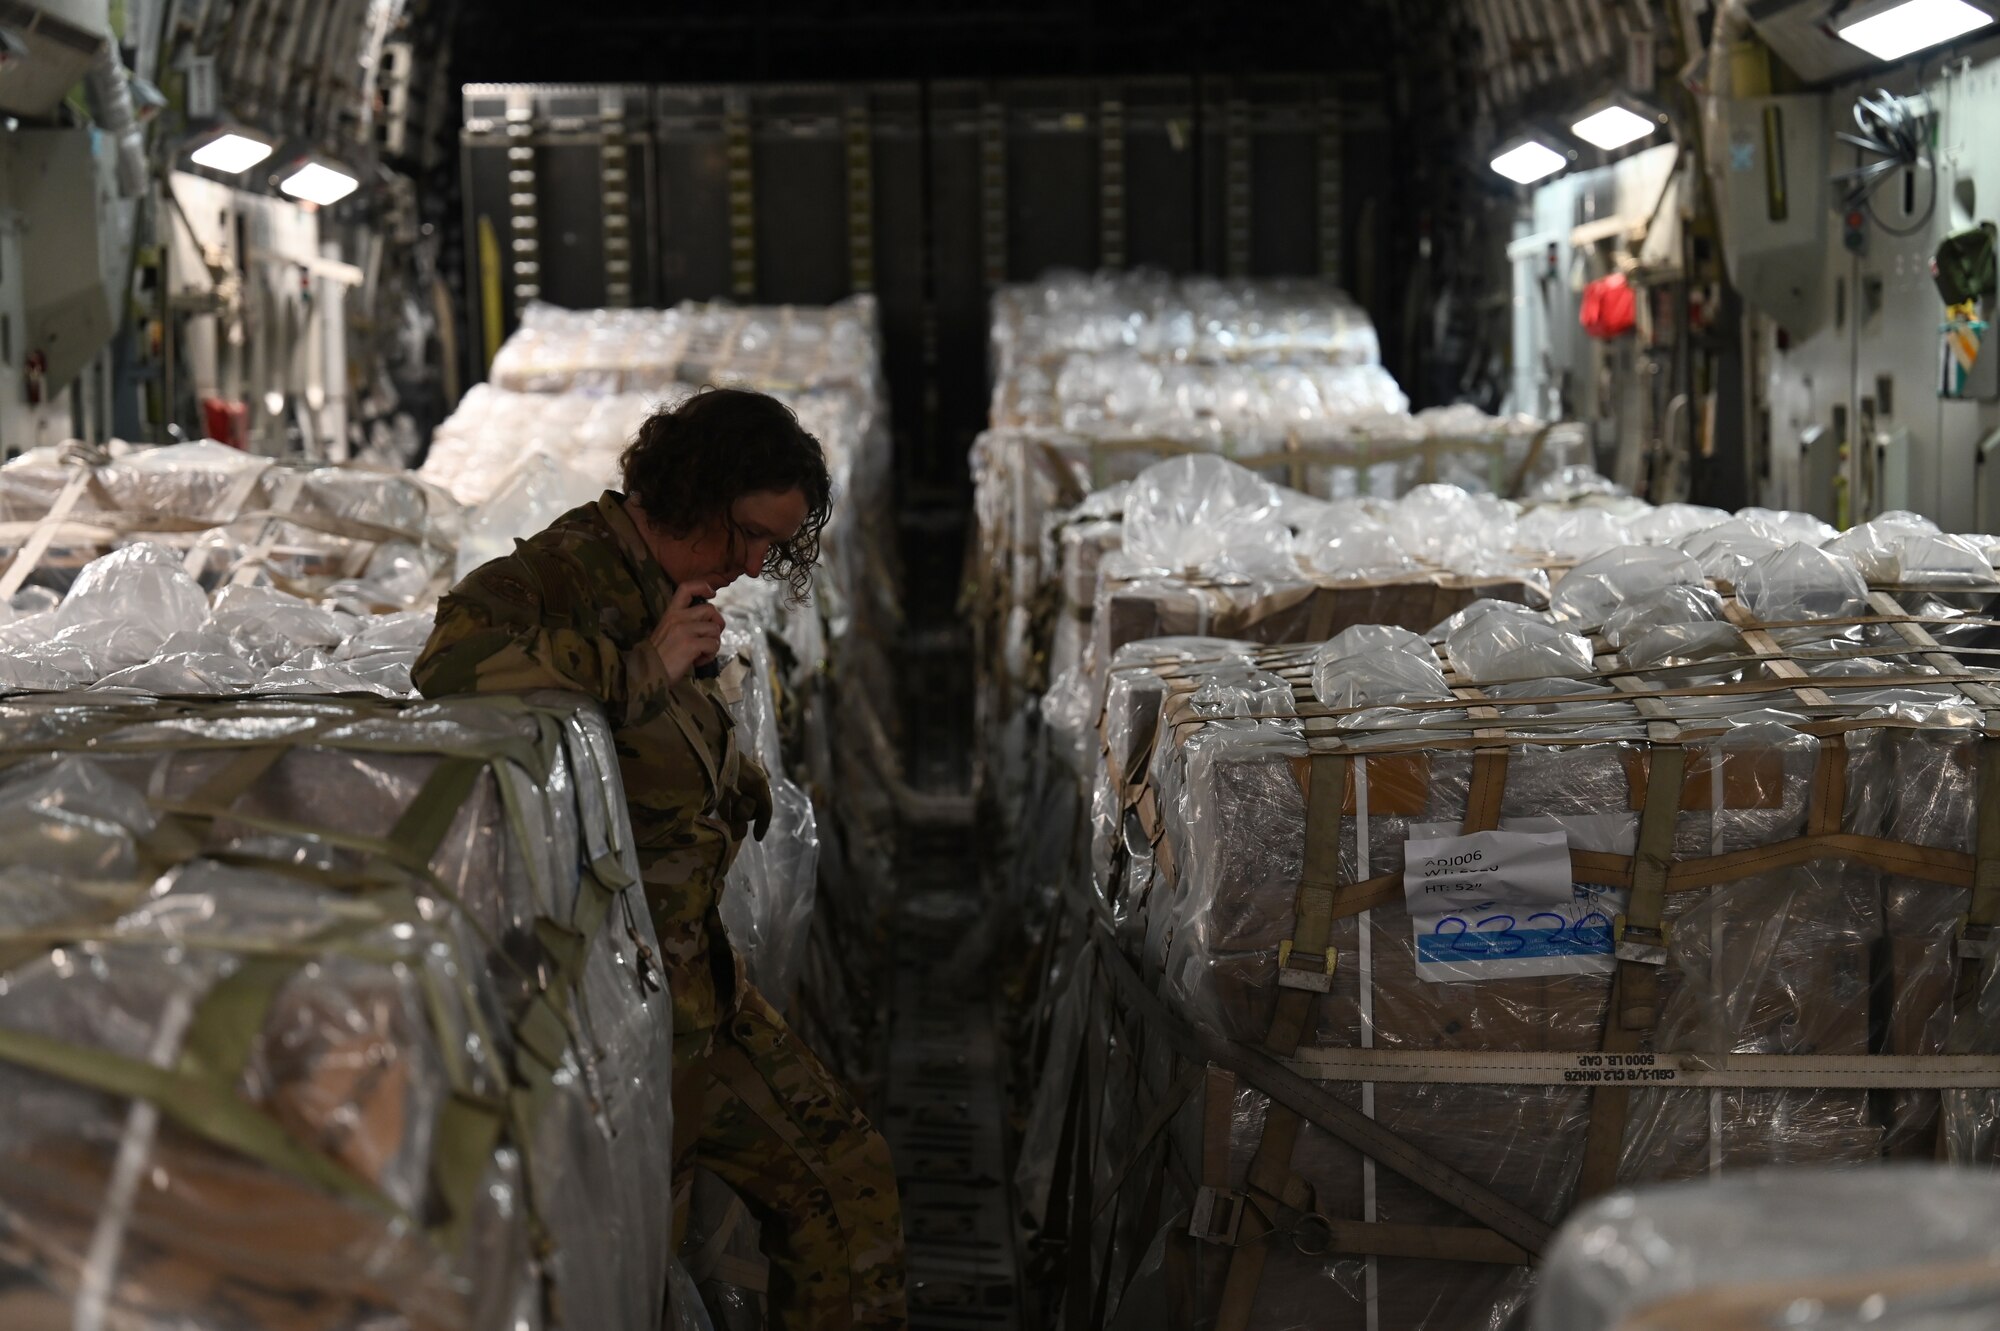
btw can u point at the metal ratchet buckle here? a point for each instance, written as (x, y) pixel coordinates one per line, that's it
(1217, 1215)
(1299, 977)
(1640, 944)
(1975, 941)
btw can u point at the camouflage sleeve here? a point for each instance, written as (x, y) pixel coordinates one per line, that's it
(493, 636)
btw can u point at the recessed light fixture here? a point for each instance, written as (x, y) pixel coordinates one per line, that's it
(1527, 162)
(231, 152)
(316, 182)
(1912, 25)
(1613, 127)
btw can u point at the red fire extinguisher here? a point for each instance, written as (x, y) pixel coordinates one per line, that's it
(1610, 307)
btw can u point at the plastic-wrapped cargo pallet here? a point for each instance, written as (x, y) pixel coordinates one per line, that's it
(325, 1013)
(199, 569)
(1912, 1247)
(363, 539)
(1201, 547)
(1399, 945)
(1098, 378)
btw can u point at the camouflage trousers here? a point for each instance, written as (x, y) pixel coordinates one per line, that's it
(760, 1112)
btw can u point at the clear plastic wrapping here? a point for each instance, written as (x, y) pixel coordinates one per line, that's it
(367, 1022)
(1348, 543)
(1186, 318)
(1452, 529)
(136, 620)
(315, 530)
(1669, 524)
(1503, 647)
(1673, 604)
(1802, 582)
(1725, 550)
(1371, 665)
(1903, 1246)
(638, 351)
(1599, 587)
(478, 448)
(768, 897)
(1205, 513)
(1904, 548)
(1781, 962)
(1569, 535)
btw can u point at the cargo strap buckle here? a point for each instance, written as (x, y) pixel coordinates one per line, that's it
(1217, 1215)
(1641, 943)
(1975, 941)
(1304, 977)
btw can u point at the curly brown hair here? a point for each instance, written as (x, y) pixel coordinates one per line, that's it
(689, 465)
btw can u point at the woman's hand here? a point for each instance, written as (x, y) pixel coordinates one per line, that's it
(690, 633)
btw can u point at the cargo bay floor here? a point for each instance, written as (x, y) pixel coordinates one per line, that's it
(944, 1099)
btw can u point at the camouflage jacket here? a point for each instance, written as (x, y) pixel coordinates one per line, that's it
(572, 608)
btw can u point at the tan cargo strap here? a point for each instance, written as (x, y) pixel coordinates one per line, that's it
(1217, 1122)
(743, 1273)
(30, 555)
(1271, 1175)
(1149, 1131)
(1910, 628)
(704, 1264)
(1323, 720)
(282, 500)
(1642, 944)
(1306, 960)
(1604, 1136)
(1675, 1069)
(1949, 867)
(1642, 952)
(1488, 788)
(1318, 1235)
(1536, 445)
(1976, 937)
(205, 1106)
(1829, 788)
(1340, 1120)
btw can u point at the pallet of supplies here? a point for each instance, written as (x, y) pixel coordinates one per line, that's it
(326, 1013)
(1400, 945)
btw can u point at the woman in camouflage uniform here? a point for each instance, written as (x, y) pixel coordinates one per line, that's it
(611, 601)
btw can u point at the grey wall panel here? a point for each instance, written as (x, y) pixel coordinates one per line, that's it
(1283, 124)
(1160, 176)
(484, 191)
(570, 182)
(936, 247)
(801, 219)
(1284, 175)
(1368, 170)
(643, 158)
(1052, 186)
(691, 196)
(959, 294)
(1208, 143)
(902, 263)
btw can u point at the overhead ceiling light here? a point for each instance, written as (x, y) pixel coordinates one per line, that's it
(1525, 163)
(231, 152)
(1613, 127)
(1892, 33)
(318, 183)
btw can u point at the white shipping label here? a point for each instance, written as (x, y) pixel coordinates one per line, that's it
(1502, 905)
(1509, 868)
